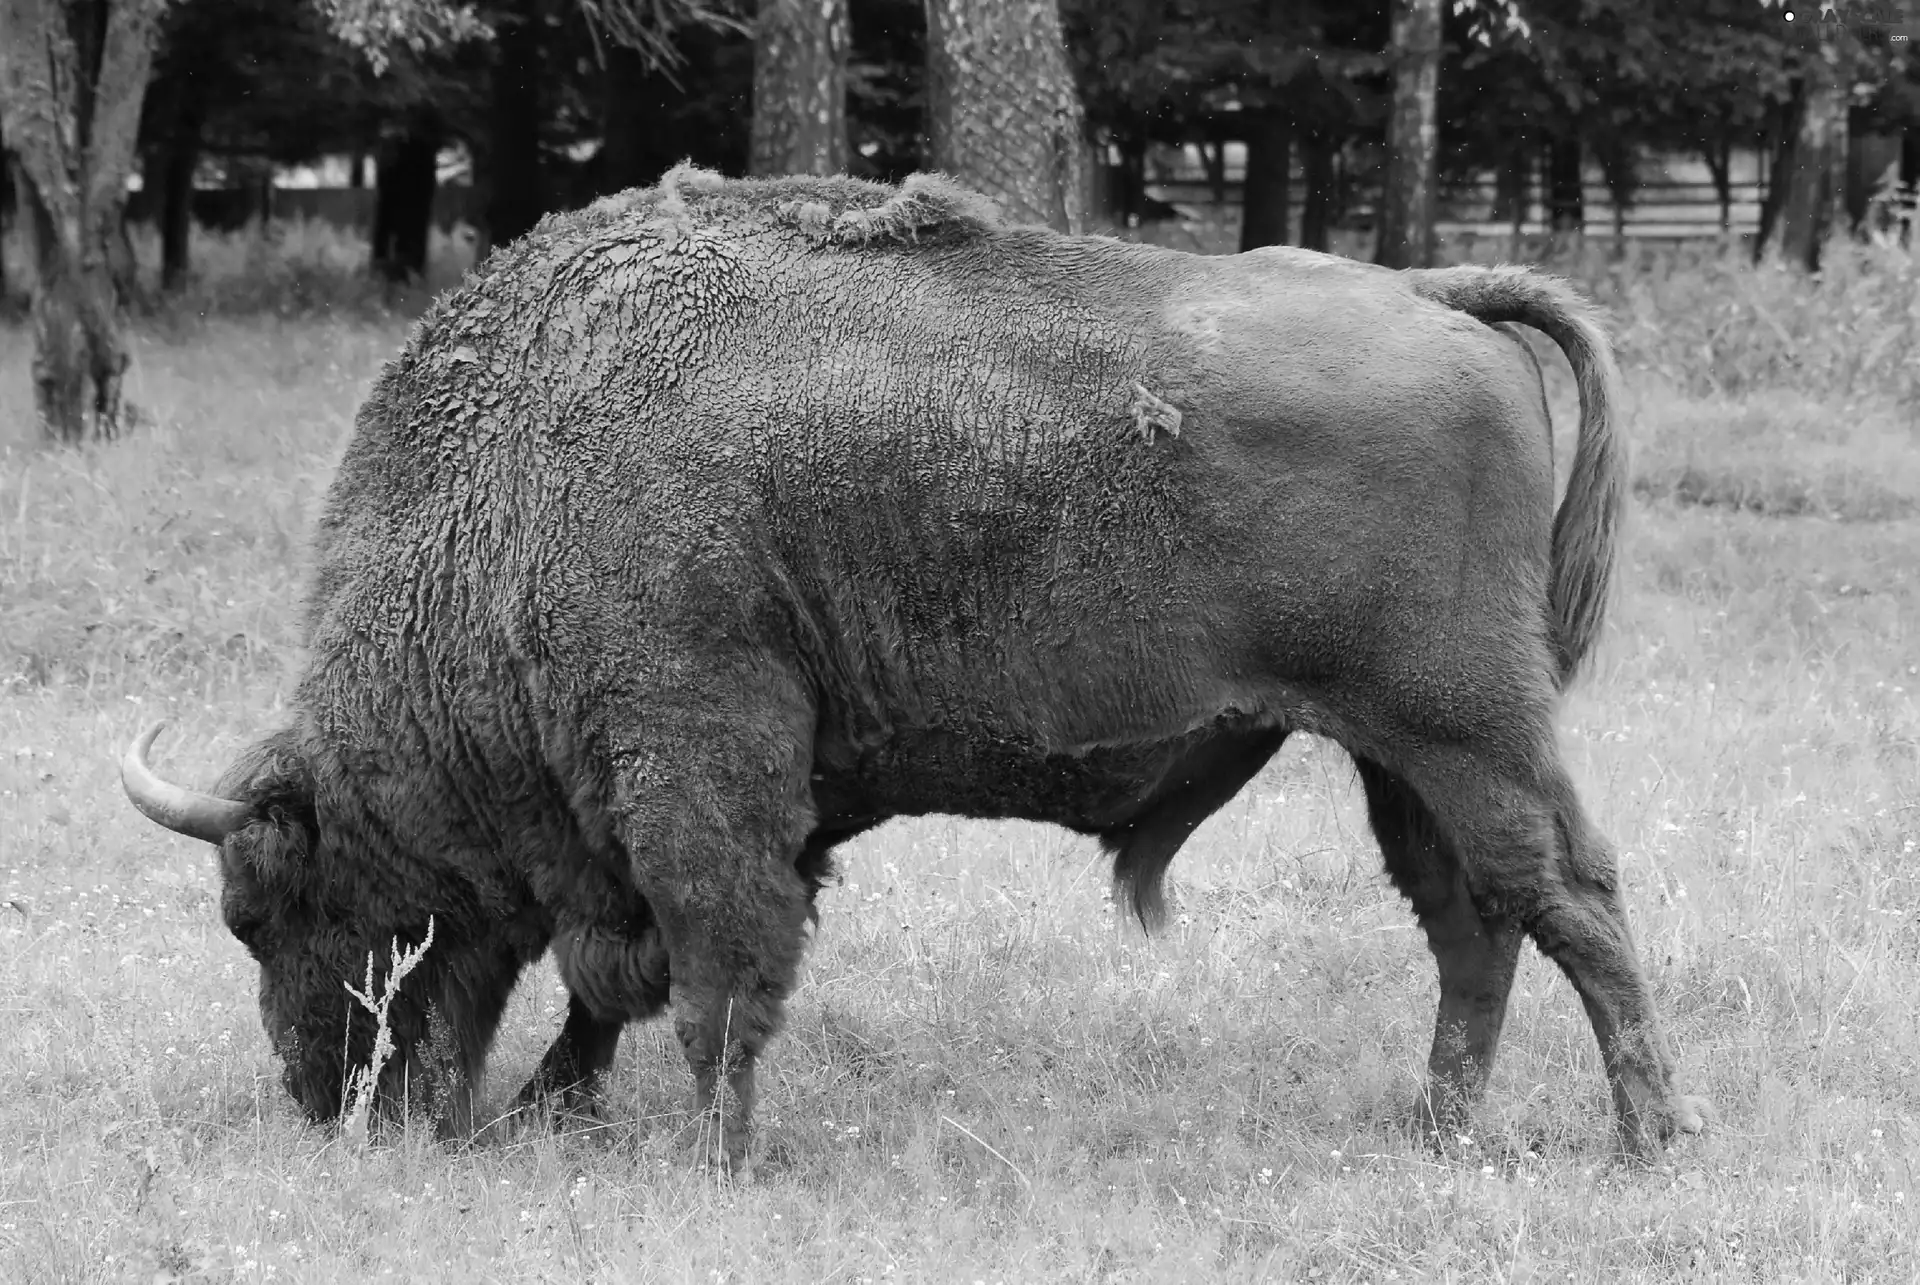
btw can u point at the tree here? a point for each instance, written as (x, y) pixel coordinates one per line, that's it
(405, 174)
(1264, 194)
(800, 87)
(532, 110)
(511, 155)
(886, 88)
(1276, 74)
(258, 79)
(1809, 173)
(1413, 138)
(1003, 114)
(72, 76)
(174, 115)
(6, 210)
(651, 117)
(1813, 165)
(1317, 151)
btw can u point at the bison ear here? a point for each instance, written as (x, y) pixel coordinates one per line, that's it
(274, 847)
(274, 779)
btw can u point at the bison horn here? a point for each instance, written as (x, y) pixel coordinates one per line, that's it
(184, 811)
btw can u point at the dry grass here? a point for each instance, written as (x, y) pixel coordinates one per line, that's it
(987, 1076)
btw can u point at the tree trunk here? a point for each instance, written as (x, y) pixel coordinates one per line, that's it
(1617, 166)
(1513, 187)
(1909, 181)
(1002, 111)
(173, 208)
(800, 87)
(73, 74)
(1316, 171)
(634, 104)
(1566, 190)
(403, 202)
(1214, 153)
(516, 196)
(1718, 153)
(1264, 194)
(1413, 137)
(7, 206)
(1812, 163)
(1131, 178)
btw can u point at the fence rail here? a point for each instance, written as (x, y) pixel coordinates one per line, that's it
(1663, 208)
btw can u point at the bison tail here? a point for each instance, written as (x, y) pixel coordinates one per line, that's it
(1139, 876)
(1586, 529)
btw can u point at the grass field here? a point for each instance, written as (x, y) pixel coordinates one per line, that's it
(988, 1075)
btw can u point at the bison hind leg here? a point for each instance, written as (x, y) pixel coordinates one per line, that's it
(1202, 784)
(1475, 948)
(1521, 854)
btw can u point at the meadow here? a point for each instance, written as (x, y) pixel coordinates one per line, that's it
(989, 1074)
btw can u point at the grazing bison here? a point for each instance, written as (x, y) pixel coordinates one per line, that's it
(714, 524)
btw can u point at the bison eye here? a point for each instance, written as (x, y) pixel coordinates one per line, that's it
(247, 928)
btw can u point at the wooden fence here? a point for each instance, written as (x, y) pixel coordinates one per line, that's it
(228, 208)
(1674, 200)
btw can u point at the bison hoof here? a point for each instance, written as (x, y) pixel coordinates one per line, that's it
(1646, 1137)
(578, 1101)
(1442, 1117)
(705, 1143)
(1690, 1114)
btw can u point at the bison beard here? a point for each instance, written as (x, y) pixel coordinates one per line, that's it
(717, 523)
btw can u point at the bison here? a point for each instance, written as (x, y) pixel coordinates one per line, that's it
(714, 524)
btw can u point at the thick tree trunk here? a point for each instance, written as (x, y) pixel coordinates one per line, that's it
(800, 87)
(1413, 137)
(1265, 193)
(73, 74)
(516, 195)
(1003, 114)
(1316, 171)
(1809, 179)
(403, 202)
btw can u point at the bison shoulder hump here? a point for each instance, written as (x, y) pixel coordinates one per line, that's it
(837, 211)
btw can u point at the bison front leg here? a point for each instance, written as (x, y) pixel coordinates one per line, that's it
(569, 1076)
(717, 807)
(614, 975)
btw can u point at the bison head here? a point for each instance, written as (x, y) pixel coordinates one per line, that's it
(293, 900)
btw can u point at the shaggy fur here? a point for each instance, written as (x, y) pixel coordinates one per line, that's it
(714, 524)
